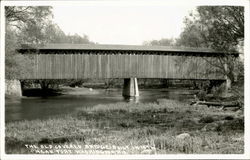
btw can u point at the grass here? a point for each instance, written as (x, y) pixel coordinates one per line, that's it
(131, 125)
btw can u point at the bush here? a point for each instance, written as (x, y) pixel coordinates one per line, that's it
(202, 95)
(207, 119)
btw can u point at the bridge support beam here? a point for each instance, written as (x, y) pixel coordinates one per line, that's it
(130, 88)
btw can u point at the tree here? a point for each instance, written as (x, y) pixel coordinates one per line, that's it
(20, 16)
(224, 25)
(28, 22)
(217, 27)
(192, 36)
(16, 65)
(34, 26)
(18, 19)
(161, 42)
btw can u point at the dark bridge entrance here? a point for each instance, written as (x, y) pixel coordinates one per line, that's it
(74, 61)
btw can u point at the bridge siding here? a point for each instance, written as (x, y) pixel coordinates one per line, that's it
(81, 66)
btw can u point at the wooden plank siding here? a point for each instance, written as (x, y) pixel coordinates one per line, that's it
(83, 66)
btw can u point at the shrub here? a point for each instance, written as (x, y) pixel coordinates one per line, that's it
(207, 119)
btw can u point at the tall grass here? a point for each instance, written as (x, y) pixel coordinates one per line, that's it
(136, 124)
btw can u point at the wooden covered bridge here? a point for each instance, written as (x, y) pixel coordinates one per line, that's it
(78, 61)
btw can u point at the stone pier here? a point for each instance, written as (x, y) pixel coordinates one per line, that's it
(13, 88)
(130, 88)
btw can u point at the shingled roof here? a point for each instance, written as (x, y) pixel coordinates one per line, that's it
(138, 48)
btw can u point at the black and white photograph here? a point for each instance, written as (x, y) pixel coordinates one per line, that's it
(124, 78)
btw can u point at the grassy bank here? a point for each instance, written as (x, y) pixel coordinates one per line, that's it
(162, 128)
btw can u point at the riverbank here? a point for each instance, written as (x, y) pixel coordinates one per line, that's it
(166, 127)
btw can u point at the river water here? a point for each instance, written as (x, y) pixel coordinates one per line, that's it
(29, 108)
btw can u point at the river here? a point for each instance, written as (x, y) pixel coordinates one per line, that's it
(30, 108)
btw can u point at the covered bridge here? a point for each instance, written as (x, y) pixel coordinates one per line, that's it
(78, 61)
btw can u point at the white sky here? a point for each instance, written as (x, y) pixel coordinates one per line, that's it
(116, 24)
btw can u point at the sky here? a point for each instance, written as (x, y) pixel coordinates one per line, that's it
(119, 24)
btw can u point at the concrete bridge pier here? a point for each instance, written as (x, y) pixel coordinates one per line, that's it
(130, 87)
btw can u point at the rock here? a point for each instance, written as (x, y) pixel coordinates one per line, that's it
(148, 151)
(90, 89)
(240, 139)
(210, 127)
(183, 136)
(239, 113)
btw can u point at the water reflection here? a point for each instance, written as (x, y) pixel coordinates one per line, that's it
(27, 108)
(132, 99)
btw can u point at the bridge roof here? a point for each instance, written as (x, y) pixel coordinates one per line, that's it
(136, 48)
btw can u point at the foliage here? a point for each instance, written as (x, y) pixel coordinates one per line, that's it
(161, 42)
(217, 27)
(21, 16)
(28, 21)
(19, 19)
(224, 25)
(14, 63)
(32, 25)
(220, 28)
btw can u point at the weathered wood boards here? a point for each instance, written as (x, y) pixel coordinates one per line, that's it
(82, 66)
